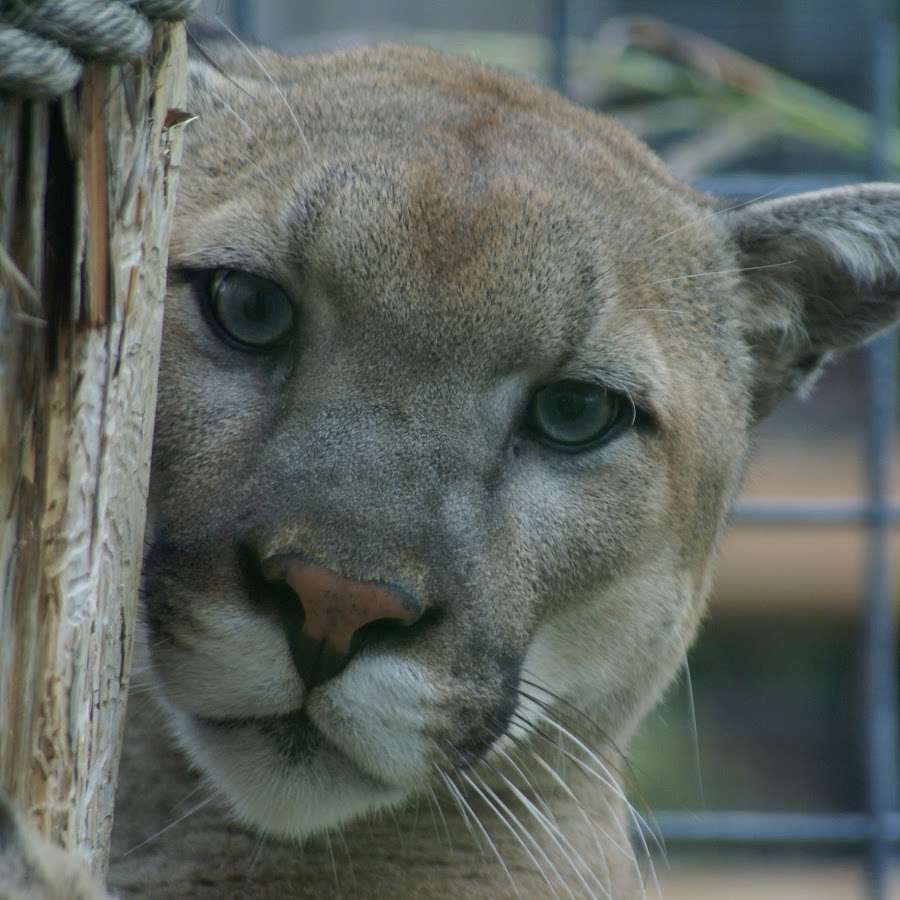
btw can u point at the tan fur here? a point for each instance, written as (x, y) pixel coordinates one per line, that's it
(452, 239)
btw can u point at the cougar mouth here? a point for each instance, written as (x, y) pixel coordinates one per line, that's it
(342, 723)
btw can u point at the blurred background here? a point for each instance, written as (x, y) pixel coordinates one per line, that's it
(747, 100)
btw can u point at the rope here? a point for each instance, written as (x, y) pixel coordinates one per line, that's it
(43, 43)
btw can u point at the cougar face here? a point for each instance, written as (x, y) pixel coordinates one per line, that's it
(457, 389)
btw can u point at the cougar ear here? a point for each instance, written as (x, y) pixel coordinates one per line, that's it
(824, 274)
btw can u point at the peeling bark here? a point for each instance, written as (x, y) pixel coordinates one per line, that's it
(86, 193)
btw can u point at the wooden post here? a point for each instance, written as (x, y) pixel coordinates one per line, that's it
(86, 192)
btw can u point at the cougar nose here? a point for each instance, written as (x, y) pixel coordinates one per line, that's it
(334, 610)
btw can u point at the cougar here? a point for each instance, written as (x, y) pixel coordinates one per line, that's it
(458, 386)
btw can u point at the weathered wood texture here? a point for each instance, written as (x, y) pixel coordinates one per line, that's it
(86, 192)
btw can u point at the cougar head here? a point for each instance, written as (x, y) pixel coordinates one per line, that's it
(457, 388)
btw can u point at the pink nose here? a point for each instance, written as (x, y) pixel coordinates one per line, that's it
(334, 609)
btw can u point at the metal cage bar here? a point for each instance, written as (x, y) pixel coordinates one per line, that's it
(881, 425)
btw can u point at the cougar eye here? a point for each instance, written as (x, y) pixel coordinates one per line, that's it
(576, 415)
(252, 311)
